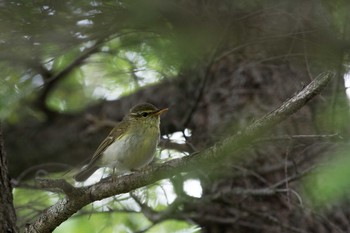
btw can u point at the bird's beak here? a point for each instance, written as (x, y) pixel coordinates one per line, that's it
(160, 111)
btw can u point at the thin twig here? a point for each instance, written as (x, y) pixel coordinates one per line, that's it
(62, 184)
(294, 177)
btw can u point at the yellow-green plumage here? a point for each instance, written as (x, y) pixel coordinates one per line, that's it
(130, 145)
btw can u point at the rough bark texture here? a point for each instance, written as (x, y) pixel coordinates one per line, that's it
(7, 210)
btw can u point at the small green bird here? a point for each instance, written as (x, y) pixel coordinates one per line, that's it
(130, 145)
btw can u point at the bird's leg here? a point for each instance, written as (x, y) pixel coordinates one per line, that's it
(114, 178)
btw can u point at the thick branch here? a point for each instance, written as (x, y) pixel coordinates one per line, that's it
(63, 209)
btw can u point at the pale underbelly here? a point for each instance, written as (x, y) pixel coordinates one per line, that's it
(129, 153)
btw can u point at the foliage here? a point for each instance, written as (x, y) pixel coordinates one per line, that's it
(330, 184)
(56, 34)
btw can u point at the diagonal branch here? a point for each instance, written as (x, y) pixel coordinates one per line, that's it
(66, 207)
(54, 79)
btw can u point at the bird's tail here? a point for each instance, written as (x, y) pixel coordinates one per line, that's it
(85, 173)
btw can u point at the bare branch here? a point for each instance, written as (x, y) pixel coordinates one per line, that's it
(62, 184)
(318, 137)
(168, 144)
(52, 81)
(275, 220)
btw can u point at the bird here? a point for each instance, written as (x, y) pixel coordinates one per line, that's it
(130, 145)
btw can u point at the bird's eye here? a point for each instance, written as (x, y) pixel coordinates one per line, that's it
(144, 114)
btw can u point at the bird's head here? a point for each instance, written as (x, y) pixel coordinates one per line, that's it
(146, 112)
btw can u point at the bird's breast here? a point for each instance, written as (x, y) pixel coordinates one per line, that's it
(133, 150)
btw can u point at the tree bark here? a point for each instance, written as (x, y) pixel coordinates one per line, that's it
(7, 211)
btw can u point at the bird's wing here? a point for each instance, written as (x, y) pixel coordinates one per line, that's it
(115, 134)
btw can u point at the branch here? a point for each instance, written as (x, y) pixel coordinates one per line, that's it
(273, 219)
(53, 80)
(62, 184)
(181, 147)
(66, 207)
